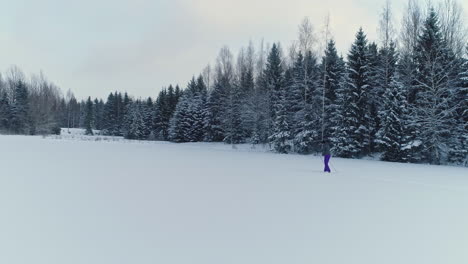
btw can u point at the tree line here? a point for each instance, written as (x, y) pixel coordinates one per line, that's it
(404, 99)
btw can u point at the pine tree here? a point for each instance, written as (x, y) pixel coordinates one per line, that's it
(234, 130)
(213, 118)
(135, 121)
(345, 142)
(433, 114)
(88, 123)
(295, 96)
(459, 144)
(161, 112)
(374, 93)
(246, 85)
(5, 112)
(306, 140)
(281, 135)
(180, 125)
(98, 113)
(386, 68)
(353, 134)
(148, 113)
(392, 136)
(304, 103)
(198, 108)
(195, 96)
(20, 109)
(333, 70)
(120, 110)
(109, 115)
(274, 80)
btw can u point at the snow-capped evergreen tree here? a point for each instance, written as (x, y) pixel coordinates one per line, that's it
(162, 114)
(197, 108)
(295, 99)
(5, 112)
(246, 85)
(386, 68)
(392, 136)
(307, 138)
(332, 74)
(148, 112)
(213, 118)
(353, 133)
(98, 113)
(135, 123)
(110, 115)
(180, 124)
(458, 153)
(89, 114)
(274, 81)
(281, 135)
(374, 93)
(187, 124)
(20, 118)
(304, 103)
(234, 132)
(433, 114)
(344, 139)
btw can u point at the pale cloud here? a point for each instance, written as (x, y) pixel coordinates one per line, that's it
(95, 47)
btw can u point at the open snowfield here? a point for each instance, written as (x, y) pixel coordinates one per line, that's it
(68, 201)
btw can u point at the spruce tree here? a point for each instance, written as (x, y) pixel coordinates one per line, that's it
(234, 130)
(135, 121)
(88, 122)
(295, 100)
(5, 112)
(434, 112)
(273, 80)
(246, 84)
(392, 136)
(180, 125)
(98, 113)
(306, 139)
(352, 137)
(459, 144)
(333, 70)
(313, 101)
(213, 118)
(280, 137)
(374, 95)
(109, 115)
(20, 108)
(344, 139)
(148, 119)
(162, 115)
(198, 108)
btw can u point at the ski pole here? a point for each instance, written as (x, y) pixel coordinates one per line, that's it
(333, 167)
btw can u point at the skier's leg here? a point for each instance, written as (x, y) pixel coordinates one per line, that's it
(324, 163)
(327, 159)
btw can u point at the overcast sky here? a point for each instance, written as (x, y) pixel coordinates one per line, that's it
(96, 46)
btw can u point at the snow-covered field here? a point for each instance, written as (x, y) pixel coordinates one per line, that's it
(67, 201)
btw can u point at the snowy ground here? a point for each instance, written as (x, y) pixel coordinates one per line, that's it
(106, 202)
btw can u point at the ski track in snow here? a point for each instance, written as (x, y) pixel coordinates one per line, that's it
(77, 199)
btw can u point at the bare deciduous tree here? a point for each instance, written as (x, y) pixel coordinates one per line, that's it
(206, 74)
(224, 65)
(260, 62)
(292, 53)
(306, 38)
(411, 26)
(386, 29)
(44, 99)
(453, 26)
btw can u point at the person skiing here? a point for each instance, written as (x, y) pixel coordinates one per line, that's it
(326, 154)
